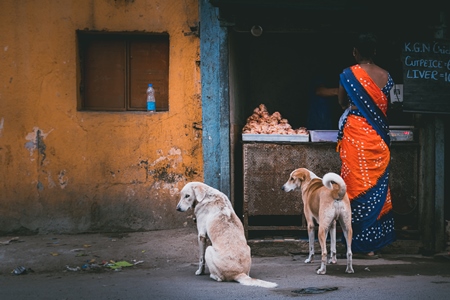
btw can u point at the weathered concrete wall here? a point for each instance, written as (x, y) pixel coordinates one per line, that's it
(63, 170)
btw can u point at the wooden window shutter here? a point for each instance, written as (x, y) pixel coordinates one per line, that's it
(116, 69)
(149, 63)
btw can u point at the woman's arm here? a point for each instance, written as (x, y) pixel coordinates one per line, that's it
(323, 91)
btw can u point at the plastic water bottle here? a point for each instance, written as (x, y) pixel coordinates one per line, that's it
(151, 105)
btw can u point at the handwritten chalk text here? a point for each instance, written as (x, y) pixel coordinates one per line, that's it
(418, 47)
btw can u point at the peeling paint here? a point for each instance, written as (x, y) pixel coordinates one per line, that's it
(40, 186)
(36, 141)
(172, 188)
(2, 121)
(51, 182)
(175, 151)
(168, 171)
(130, 193)
(144, 163)
(158, 160)
(162, 169)
(62, 179)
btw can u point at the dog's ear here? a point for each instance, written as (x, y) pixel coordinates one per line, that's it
(199, 191)
(300, 174)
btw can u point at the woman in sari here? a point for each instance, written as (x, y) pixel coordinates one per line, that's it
(363, 146)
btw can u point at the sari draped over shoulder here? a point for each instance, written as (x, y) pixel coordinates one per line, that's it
(364, 147)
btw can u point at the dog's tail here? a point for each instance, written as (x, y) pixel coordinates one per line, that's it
(331, 177)
(244, 279)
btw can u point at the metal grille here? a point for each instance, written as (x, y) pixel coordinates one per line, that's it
(267, 167)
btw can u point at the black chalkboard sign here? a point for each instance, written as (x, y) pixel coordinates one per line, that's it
(426, 76)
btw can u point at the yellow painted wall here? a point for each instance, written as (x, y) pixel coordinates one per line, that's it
(63, 170)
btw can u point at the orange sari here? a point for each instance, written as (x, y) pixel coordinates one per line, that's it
(363, 144)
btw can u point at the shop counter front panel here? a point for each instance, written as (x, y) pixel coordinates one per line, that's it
(267, 167)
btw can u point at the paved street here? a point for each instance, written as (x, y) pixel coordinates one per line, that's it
(167, 261)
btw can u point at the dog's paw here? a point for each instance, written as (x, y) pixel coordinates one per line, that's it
(349, 270)
(215, 277)
(199, 272)
(308, 260)
(321, 271)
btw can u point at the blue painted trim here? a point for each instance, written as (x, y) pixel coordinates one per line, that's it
(439, 183)
(215, 99)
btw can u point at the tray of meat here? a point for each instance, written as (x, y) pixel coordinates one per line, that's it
(262, 126)
(276, 137)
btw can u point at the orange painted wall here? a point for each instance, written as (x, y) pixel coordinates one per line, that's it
(69, 171)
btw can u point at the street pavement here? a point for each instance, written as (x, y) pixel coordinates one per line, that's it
(161, 265)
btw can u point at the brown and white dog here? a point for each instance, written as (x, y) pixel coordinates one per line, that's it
(228, 257)
(326, 201)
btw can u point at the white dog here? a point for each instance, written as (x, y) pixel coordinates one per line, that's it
(228, 258)
(324, 200)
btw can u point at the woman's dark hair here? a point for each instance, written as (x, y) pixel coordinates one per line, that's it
(366, 43)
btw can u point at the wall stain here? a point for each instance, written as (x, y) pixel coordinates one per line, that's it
(190, 172)
(41, 146)
(51, 182)
(7, 159)
(62, 179)
(162, 169)
(144, 164)
(164, 174)
(122, 3)
(36, 141)
(2, 121)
